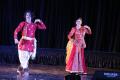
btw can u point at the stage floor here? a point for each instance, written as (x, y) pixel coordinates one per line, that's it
(41, 72)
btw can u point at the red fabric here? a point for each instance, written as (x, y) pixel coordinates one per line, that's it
(28, 30)
(78, 35)
(83, 60)
(70, 61)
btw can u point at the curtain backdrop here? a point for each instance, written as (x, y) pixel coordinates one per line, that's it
(103, 16)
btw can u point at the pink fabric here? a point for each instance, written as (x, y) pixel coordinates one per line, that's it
(76, 61)
(28, 30)
(70, 61)
(83, 60)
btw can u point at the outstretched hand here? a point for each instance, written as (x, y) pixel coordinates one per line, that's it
(88, 29)
(86, 26)
(37, 20)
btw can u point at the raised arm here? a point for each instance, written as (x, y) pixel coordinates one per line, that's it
(88, 30)
(71, 33)
(40, 24)
(20, 26)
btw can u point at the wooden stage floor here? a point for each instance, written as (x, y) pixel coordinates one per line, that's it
(41, 72)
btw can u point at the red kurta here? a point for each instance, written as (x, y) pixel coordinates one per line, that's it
(75, 61)
(28, 30)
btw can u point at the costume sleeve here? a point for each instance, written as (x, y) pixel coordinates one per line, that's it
(41, 25)
(18, 29)
(71, 33)
(87, 29)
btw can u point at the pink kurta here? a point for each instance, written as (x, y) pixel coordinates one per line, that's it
(75, 61)
(28, 30)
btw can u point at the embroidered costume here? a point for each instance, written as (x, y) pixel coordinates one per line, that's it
(75, 61)
(27, 43)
